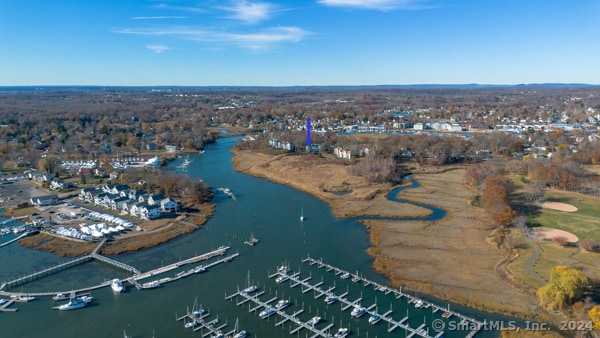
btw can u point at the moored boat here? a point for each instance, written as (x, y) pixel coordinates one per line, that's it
(374, 319)
(342, 332)
(331, 298)
(282, 304)
(60, 296)
(358, 311)
(117, 286)
(314, 320)
(282, 278)
(74, 303)
(267, 312)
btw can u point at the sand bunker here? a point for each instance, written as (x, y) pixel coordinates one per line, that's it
(559, 206)
(542, 233)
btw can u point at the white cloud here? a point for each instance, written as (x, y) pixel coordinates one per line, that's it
(382, 5)
(158, 48)
(258, 40)
(249, 12)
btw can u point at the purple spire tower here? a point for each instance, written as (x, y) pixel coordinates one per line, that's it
(308, 134)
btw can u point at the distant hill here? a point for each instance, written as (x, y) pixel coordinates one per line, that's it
(13, 89)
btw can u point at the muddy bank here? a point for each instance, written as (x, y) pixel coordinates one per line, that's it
(450, 259)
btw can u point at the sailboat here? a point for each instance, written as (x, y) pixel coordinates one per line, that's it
(302, 215)
(238, 334)
(253, 240)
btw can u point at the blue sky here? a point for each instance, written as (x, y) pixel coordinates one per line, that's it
(300, 42)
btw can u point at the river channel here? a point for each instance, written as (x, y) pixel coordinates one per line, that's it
(270, 212)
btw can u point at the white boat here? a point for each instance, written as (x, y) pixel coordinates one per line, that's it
(330, 299)
(60, 296)
(117, 286)
(190, 324)
(87, 299)
(282, 304)
(418, 303)
(199, 269)
(198, 312)
(282, 278)
(151, 285)
(250, 289)
(358, 311)
(238, 333)
(284, 269)
(3, 300)
(345, 275)
(21, 298)
(74, 303)
(302, 215)
(266, 313)
(314, 320)
(342, 332)
(374, 319)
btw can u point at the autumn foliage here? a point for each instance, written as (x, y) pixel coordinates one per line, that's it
(565, 285)
(495, 200)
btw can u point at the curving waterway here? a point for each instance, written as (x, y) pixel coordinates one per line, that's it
(268, 211)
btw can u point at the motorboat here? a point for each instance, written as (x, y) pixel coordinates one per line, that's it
(266, 313)
(21, 298)
(282, 278)
(330, 299)
(199, 269)
(151, 285)
(314, 320)
(3, 300)
(88, 299)
(282, 304)
(342, 332)
(345, 275)
(117, 286)
(447, 314)
(190, 324)
(284, 269)
(198, 312)
(74, 303)
(302, 215)
(217, 335)
(250, 289)
(60, 296)
(374, 319)
(358, 311)
(418, 303)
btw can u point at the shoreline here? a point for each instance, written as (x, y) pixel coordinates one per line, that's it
(450, 259)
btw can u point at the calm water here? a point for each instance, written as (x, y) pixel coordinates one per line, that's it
(270, 212)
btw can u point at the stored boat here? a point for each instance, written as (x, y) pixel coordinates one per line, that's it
(117, 286)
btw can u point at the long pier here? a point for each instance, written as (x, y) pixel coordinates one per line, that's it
(398, 294)
(259, 304)
(133, 280)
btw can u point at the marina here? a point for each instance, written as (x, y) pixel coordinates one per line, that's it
(132, 280)
(198, 320)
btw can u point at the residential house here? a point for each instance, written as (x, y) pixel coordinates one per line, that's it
(149, 211)
(117, 203)
(44, 200)
(168, 205)
(155, 199)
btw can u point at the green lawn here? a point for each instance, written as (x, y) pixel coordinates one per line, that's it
(584, 223)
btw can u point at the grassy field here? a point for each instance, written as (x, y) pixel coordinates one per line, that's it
(584, 223)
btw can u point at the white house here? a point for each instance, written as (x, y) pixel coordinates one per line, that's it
(168, 205)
